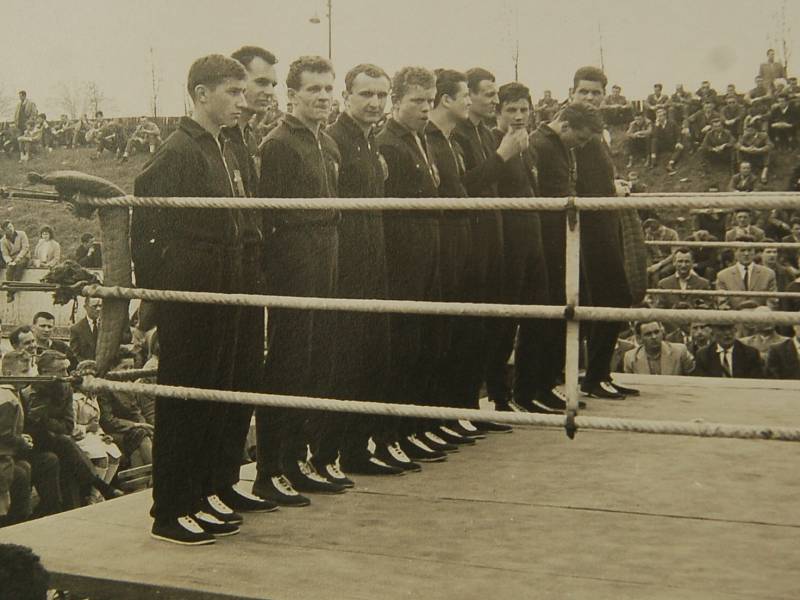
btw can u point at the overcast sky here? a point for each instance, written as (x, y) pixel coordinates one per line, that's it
(107, 41)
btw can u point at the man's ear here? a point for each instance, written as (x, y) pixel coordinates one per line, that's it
(291, 94)
(200, 93)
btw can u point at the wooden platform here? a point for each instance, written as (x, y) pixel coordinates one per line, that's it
(529, 515)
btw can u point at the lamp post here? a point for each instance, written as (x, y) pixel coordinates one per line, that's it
(316, 21)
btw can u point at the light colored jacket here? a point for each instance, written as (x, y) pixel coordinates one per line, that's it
(675, 360)
(762, 279)
(47, 253)
(19, 248)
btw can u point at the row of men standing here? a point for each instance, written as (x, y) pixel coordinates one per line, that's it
(435, 145)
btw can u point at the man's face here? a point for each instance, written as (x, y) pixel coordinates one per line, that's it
(461, 102)
(796, 230)
(367, 99)
(759, 82)
(745, 168)
(731, 102)
(27, 343)
(716, 124)
(43, 329)
(93, 306)
(485, 100)
(708, 108)
(313, 101)
(22, 96)
(616, 91)
(224, 103)
(514, 115)
(656, 89)
(724, 335)
(771, 56)
(731, 89)
(701, 333)
(651, 335)
(414, 108)
(9, 229)
(743, 219)
(548, 94)
(575, 138)
(589, 92)
(88, 243)
(57, 369)
(260, 86)
(683, 264)
(744, 255)
(770, 256)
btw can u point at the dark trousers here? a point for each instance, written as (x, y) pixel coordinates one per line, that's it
(603, 283)
(412, 262)
(45, 477)
(20, 492)
(302, 261)
(14, 272)
(638, 147)
(76, 472)
(361, 343)
(198, 349)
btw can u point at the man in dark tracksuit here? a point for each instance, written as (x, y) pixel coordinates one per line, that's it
(525, 271)
(298, 160)
(412, 254)
(197, 250)
(362, 342)
(259, 65)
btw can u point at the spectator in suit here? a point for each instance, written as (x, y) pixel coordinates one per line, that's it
(47, 252)
(728, 357)
(718, 145)
(744, 180)
(706, 260)
(765, 335)
(743, 218)
(789, 256)
(783, 275)
(16, 252)
(655, 356)
(745, 275)
(770, 71)
(755, 147)
(666, 138)
(782, 358)
(25, 113)
(89, 254)
(43, 325)
(733, 115)
(637, 139)
(699, 124)
(23, 340)
(655, 100)
(83, 334)
(783, 121)
(684, 278)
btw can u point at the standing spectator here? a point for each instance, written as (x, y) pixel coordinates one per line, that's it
(755, 147)
(546, 108)
(744, 180)
(83, 334)
(655, 356)
(744, 275)
(16, 252)
(743, 218)
(666, 138)
(637, 139)
(783, 121)
(684, 278)
(25, 113)
(782, 358)
(47, 252)
(728, 357)
(771, 70)
(89, 253)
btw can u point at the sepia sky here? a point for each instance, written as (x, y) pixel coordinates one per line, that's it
(49, 42)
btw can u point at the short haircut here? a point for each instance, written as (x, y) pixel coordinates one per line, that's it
(4, 224)
(745, 238)
(98, 114)
(22, 575)
(513, 92)
(15, 362)
(708, 103)
(246, 54)
(407, 77)
(743, 210)
(307, 64)
(367, 69)
(50, 359)
(86, 237)
(582, 116)
(616, 87)
(23, 92)
(477, 74)
(48, 229)
(637, 326)
(447, 83)
(17, 333)
(43, 315)
(212, 70)
(590, 74)
(658, 85)
(682, 250)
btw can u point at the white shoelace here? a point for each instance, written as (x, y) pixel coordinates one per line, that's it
(608, 387)
(397, 453)
(219, 506)
(189, 524)
(434, 438)
(284, 486)
(334, 471)
(419, 443)
(467, 425)
(309, 471)
(207, 518)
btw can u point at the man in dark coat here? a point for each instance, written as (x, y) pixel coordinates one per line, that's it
(782, 358)
(728, 357)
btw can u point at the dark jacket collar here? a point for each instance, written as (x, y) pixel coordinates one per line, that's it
(353, 128)
(193, 129)
(296, 124)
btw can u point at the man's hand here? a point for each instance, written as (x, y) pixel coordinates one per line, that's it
(92, 427)
(78, 435)
(28, 440)
(510, 145)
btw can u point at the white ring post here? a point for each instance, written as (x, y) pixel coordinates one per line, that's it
(573, 341)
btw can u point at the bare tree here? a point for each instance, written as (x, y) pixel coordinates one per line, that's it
(71, 97)
(94, 96)
(6, 106)
(155, 82)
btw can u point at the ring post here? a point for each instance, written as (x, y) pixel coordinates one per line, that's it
(573, 260)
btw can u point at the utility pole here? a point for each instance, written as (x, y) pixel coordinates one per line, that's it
(316, 21)
(602, 57)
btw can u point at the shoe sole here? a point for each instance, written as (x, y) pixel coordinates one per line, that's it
(326, 492)
(228, 534)
(162, 538)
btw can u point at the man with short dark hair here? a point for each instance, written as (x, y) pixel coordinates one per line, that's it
(666, 139)
(679, 104)
(744, 180)
(299, 160)
(717, 147)
(198, 250)
(770, 71)
(655, 100)
(616, 108)
(25, 112)
(43, 325)
(655, 356)
(784, 119)
(546, 107)
(745, 275)
(83, 334)
(782, 358)
(728, 357)
(743, 226)
(755, 147)
(733, 115)
(698, 124)
(89, 253)
(684, 278)
(16, 252)
(637, 139)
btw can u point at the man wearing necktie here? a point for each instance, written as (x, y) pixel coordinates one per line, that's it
(728, 357)
(83, 334)
(745, 275)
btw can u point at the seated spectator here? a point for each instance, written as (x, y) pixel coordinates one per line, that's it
(660, 257)
(743, 218)
(50, 420)
(616, 109)
(789, 256)
(744, 180)
(16, 252)
(745, 275)
(655, 100)
(95, 126)
(706, 259)
(637, 139)
(62, 131)
(96, 444)
(22, 576)
(684, 278)
(43, 325)
(769, 258)
(147, 135)
(718, 145)
(765, 335)
(546, 108)
(783, 121)
(755, 147)
(47, 252)
(47, 132)
(80, 131)
(666, 139)
(759, 99)
(782, 358)
(699, 124)
(111, 137)
(23, 340)
(680, 104)
(655, 356)
(15, 475)
(733, 114)
(32, 140)
(706, 93)
(89, 253)
(728, 357)
(9, 139)
(83, 334)
(731, 90)
(121, 416)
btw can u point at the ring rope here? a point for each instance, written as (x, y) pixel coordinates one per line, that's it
(698, 244)
(724, 293)
(694, 429)
(465, 309)
(754, 200)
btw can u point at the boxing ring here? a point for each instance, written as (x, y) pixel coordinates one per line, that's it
(528, 515)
